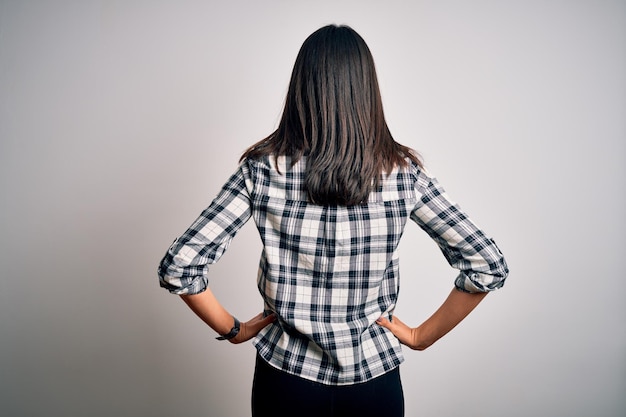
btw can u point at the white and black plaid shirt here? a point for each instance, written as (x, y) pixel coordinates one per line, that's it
(329, 271)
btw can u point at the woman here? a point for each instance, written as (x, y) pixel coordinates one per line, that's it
(330, 192)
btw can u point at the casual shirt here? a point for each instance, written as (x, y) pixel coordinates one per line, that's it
(327, 271)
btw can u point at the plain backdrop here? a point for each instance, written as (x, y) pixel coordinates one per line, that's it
(120, 121)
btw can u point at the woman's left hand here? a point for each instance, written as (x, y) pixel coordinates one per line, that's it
(252, 327)
(405, 334)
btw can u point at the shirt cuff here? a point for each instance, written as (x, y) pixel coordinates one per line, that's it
(473, 282)
(175, 285)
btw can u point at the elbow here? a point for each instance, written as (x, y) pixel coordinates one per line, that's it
(182, 274)
(181, 281)
(181, 286)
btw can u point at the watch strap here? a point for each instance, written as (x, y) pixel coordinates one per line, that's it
(233, 332)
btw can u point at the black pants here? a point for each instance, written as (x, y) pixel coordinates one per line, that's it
(278, 394)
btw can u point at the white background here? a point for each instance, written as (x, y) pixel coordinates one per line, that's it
(120, 120)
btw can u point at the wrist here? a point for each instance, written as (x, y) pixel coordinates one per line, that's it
(233, 332)
(419, 342)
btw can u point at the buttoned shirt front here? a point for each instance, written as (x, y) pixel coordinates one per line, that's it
(329, 272)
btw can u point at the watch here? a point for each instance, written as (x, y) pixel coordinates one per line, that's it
(233, 332)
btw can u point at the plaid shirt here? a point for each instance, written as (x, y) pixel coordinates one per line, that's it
(330, 271)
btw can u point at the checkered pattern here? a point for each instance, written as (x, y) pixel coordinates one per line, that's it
(330, 271)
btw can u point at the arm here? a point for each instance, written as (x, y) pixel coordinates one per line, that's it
(206, 306)
(481, 265)
(183, 269)
(466, 248)
(456, 307)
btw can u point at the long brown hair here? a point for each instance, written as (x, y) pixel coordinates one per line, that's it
(334, 116)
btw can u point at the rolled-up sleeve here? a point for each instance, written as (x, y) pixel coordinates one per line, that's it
(480, 262)
(183, 269)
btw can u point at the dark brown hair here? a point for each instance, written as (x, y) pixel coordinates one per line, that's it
(334, 116)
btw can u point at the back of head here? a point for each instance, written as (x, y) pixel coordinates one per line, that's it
(334, 116)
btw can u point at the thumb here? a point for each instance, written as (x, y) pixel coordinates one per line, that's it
(252, 327)
(266, 320)
(259, 322)
(384, 322)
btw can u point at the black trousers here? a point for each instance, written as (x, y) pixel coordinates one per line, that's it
(278, 394)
